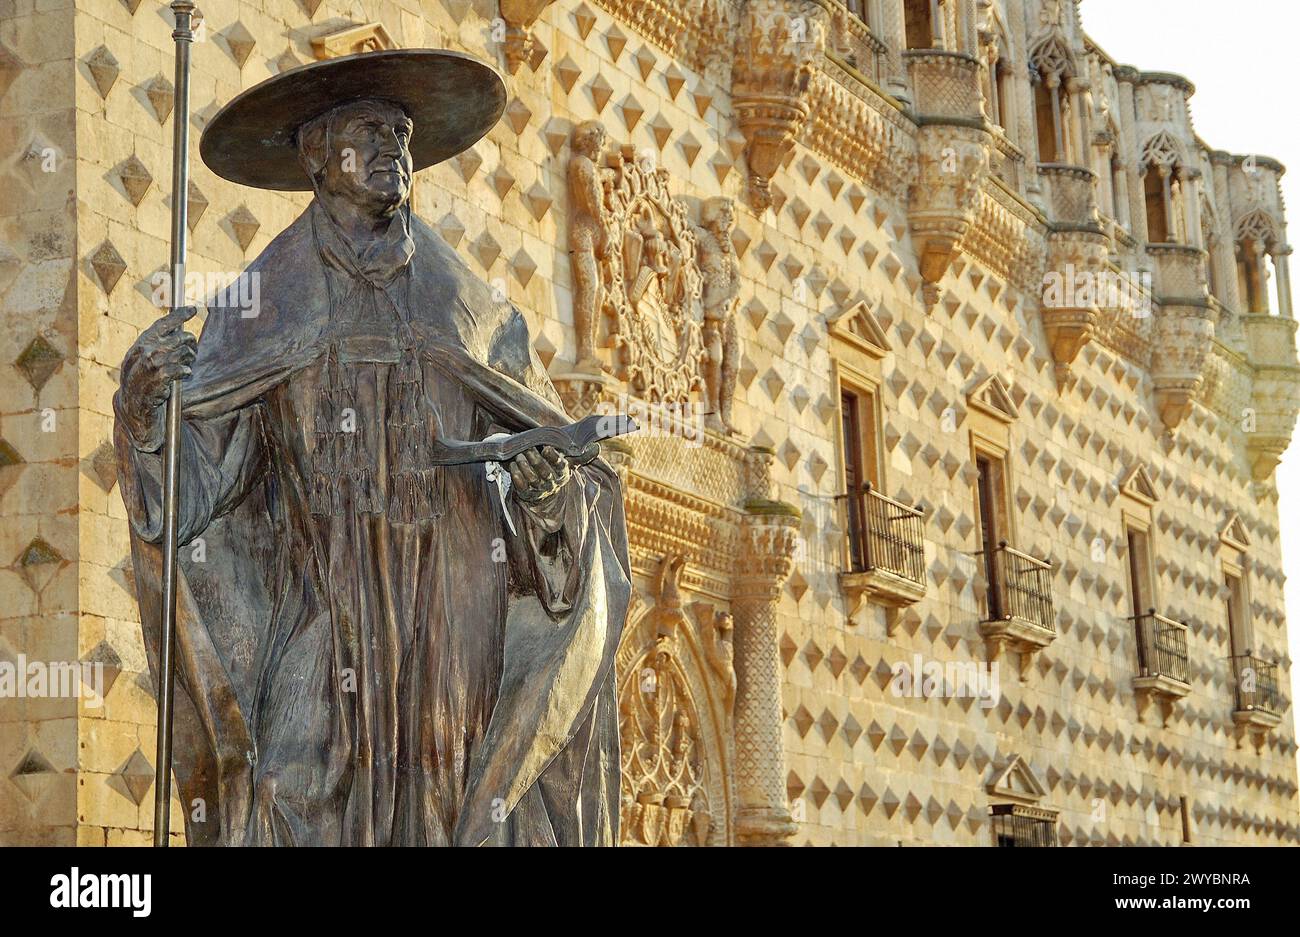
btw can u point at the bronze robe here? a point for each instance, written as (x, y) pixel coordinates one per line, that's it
(366, 654)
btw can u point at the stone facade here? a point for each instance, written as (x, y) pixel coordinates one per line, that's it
(928, 208)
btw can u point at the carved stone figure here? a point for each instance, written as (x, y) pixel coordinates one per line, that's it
(720, 270)
(588, 238)
(378, 647)
(720, 649)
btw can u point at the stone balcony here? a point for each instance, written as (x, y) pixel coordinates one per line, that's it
(1184, 329)
(1259, 706)
(1162, 661)
(1275, 390)
(1020, 609)
(886, 550)
(945, 85)
(1071, 197)
(1180, 273)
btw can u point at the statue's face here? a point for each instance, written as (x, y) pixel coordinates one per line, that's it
(368, 160)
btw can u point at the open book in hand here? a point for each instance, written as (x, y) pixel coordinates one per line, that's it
(577, 441)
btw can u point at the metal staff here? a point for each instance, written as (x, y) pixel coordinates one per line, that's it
(183, 10)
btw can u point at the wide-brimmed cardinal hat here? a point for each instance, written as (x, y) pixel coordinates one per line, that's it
(452, 100)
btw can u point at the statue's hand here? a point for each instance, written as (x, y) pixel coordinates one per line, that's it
(163, 353)
(537, 474)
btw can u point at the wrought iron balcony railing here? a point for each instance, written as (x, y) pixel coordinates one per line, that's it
(1162, 647)
(1020, 586)
(1256, 684)
(1021, 825)
(885, 534)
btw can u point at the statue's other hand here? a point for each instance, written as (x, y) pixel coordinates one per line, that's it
(163, 353)
(538, 474)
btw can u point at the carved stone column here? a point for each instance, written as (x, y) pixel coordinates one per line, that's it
(769, 534)
(1282, 265)
(778, 45)
(895, 40)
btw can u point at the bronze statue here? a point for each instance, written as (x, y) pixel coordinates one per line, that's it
(383, 641)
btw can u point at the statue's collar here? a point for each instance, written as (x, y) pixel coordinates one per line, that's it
(380, 260)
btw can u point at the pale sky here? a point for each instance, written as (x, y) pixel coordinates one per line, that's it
(1241, 56)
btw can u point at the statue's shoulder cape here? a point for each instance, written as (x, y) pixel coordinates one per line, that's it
(276, 321)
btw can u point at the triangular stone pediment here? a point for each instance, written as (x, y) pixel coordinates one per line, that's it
(1137, 484)
(1234, 533)
(857, 325)
(1017, 781)
(372, 37)
(992, 396)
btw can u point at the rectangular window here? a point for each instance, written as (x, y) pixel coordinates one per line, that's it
(990, 491)
(1139, 572)
(1238, 615)
(861, 463)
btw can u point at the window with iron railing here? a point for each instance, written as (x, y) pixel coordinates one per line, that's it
(1257, 687)
(1020, 586)
(885, 534)
(1021, 825)
(1162, 647)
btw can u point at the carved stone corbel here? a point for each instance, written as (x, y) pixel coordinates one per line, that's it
(1184, 330)
(778, 45)
(952, 158)
(519, 17)
(1274, 393)
(769, 535)
(952, 164)
(1069, 305)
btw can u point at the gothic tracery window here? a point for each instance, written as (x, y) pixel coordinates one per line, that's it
(1050, 68)
(1256, 240)
(664, 799)
(1163, 182)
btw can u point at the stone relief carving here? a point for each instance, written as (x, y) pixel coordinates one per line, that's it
(633, 251)
(720, 270)
(673, 682)
(588, 238)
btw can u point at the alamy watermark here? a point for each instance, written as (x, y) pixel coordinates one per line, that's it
(927, 679)
(1104, 289)
(220, 289)
(63, 679)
